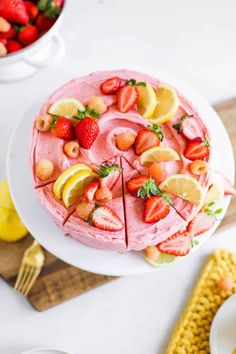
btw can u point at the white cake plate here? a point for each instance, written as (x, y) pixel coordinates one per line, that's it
(40, 223)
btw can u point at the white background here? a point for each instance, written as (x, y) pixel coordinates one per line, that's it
(195, 41)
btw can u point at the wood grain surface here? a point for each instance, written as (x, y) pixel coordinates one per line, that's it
(59, 281)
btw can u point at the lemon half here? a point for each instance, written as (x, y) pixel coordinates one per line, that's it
(158, 154)
(184, 186)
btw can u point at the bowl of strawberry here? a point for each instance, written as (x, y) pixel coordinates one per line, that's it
(29, 37)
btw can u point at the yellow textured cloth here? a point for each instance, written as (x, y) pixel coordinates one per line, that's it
(191, 334)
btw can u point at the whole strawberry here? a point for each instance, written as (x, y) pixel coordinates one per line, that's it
(87, 130)
(14, 11)
(28, 34)
(63, 128)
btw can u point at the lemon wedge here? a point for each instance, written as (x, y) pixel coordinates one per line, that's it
(11, 227)
(167, 104)
(147, 101)
(66, 107)
(65, 176)
(214, 194)
(75, 186)
(158, 154)
(185, 187)
(5, 197)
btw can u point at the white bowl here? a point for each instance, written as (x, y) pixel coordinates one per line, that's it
(47, 50)
(40, 223)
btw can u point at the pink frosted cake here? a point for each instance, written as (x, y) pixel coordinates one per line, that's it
(122, 162)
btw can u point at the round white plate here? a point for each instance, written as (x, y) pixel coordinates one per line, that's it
(45, 351)
(40, 224)
(223, 328)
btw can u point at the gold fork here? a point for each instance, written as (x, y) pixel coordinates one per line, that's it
(31, 265)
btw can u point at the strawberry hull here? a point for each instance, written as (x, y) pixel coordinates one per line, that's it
(136, 234)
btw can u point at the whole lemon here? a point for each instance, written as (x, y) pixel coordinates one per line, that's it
(5, 197)
(11, 227)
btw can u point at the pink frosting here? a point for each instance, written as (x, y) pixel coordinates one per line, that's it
(136, 235)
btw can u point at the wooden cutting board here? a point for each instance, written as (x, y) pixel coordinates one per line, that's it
(58, 280)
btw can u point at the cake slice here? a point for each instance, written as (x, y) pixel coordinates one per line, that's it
(141, 234)
(94, 236)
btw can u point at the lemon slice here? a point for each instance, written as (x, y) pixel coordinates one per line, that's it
(147, 101)
(167, 104)
(161, 260)
(5, 197)
(66, 107)
(158, 154)
(214, 194)
(75, 186)
(11, 227)
(185, 187)
(65, 176)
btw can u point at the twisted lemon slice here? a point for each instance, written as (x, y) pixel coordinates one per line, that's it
(158, 154)
(147, 101)
(66, 107)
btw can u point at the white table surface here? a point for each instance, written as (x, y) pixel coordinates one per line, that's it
(192, 40)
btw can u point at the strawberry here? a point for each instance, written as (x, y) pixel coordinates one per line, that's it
(14, 11)
(105, 218)
(148, 138)
(28, 34)
(110, 86)
(155, 209)
(197, 149)
(44, 23)
(178, 245)
(108, 175)
(191, 129)
(127, 97)
(86, 132)
(9, 34)
(13, 46)
(31, 9)
(229, 189)
(201, 223)
(3, 41)
(90, 191)
(125, 140)
(63, 128)
(135, 183)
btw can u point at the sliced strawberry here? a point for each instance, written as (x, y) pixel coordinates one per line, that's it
(155, 209)
(191, 129)
(127, 97)
(110, 86)
(200, 224)
(90, 191)
(178, 245)
(135, 183)
(105, 218)
(148, 138)
(229, 189)
(197, 149)
(109, 175)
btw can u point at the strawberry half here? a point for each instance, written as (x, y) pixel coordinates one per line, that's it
(109, 175)
(90, 191)
(148, 138)
(110, 86)
(197, 149)
(155, 209)
(14, 11)
(135, 183)
(63, 128)
(105, 218)
(178, 245)
(127, 97)
(191, 129)
(201, 223)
